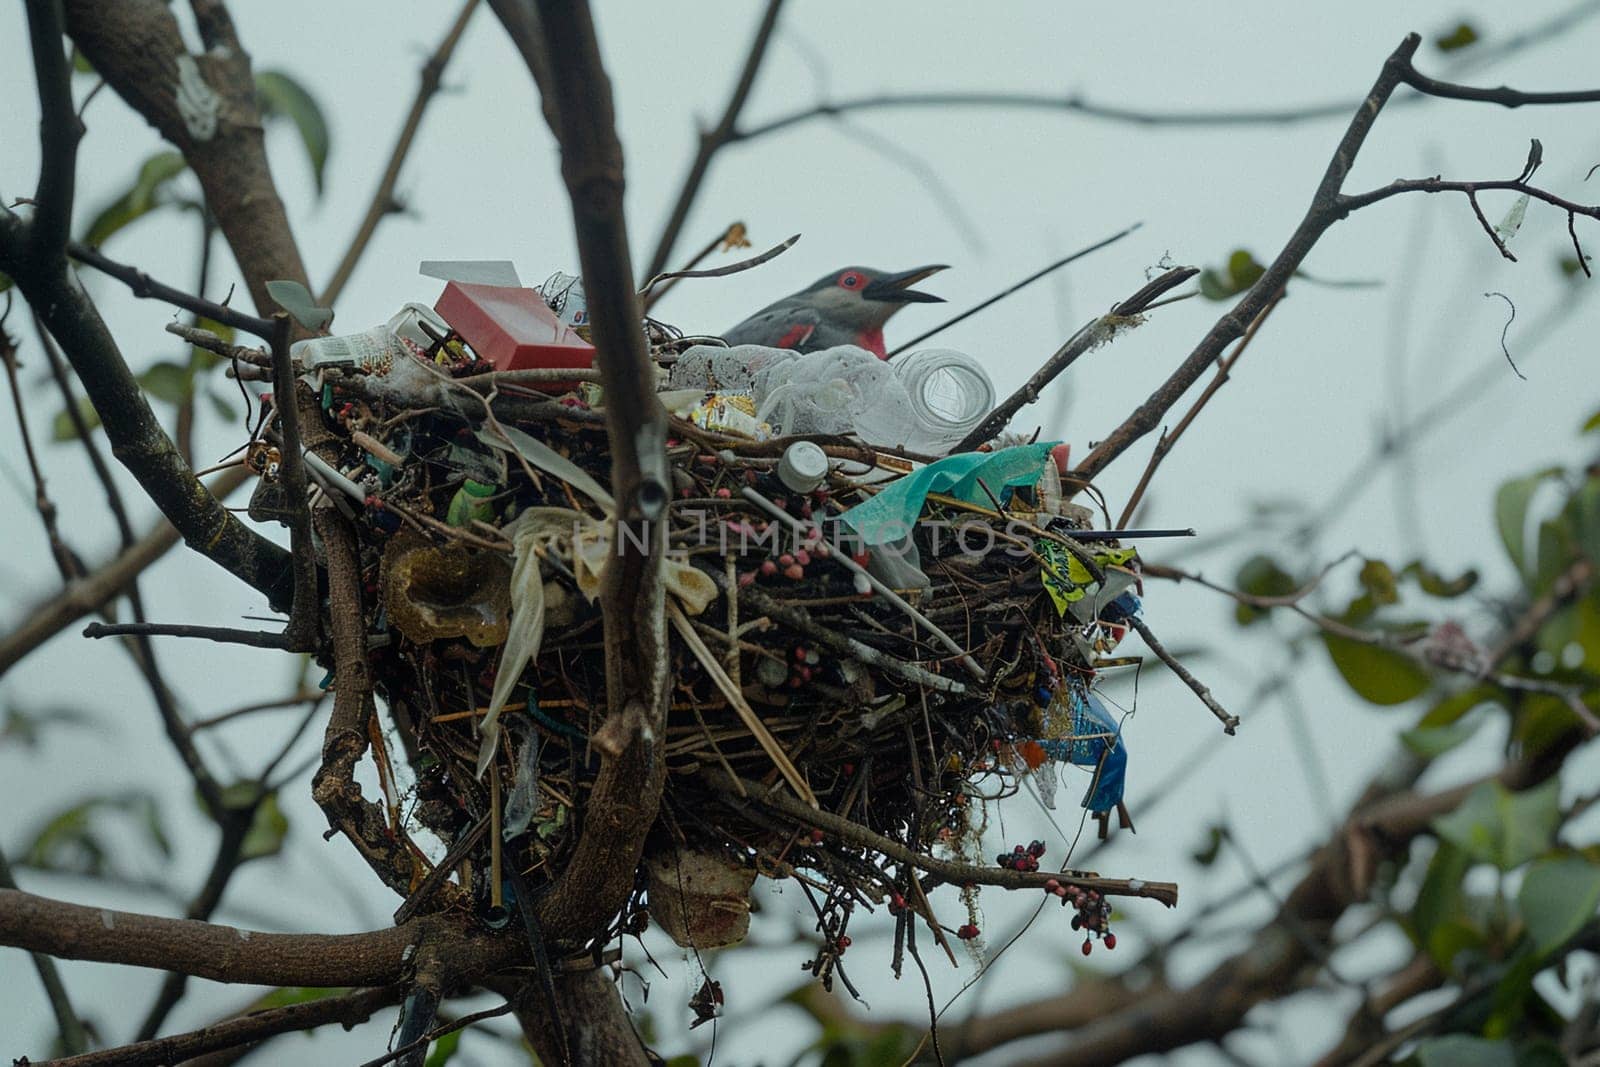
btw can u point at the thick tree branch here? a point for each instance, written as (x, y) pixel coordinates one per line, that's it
(226, 954)
(59, 130)
(135, 45)
(558, 44)
(714, 140)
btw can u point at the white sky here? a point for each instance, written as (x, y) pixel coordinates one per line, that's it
(1306, 403)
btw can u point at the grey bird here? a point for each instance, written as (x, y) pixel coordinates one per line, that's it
(846, 307)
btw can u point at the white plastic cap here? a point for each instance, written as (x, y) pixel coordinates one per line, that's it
(803, 466)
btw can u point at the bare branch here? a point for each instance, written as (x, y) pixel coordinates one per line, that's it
(59, 132)
(347, 1009)
(713, 140)
(383, 203)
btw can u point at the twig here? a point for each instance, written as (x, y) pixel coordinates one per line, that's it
(440, 1031)
(146, 287)
(747, 715)
(347, 1009)
(714, 140)
(305, 611)
(879, 587)
(1016, 287)
(1170, 439)
(729, 239)
(946, 870)
(721, 272)
(1328, 206)
(221, 634)
(382, 203)
(1229, 722)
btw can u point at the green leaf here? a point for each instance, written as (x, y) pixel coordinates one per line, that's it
(444, 1049)
(1586, 508)
(1430, 742)
(267, 830)
(1508, 227)
(1456, 705)
(1557, 897)
(297, 300)
(1463, 36)
(1378, 579)
(1511, 513)
(1501, 827)
(1557, 549)
(1260, 575)
(1379, 675)
(144, 196)
(1207, 853)
(288, 996)
(1439, 900)
(5, 281)
(279, 95)
(62, 428)
(1240, 273)
(168, 381)
(1435, 584)
(77, 840)
(1590, 425)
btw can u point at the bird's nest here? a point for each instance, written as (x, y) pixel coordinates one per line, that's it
(842, 703)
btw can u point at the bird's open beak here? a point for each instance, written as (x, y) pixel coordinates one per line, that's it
(896, 288)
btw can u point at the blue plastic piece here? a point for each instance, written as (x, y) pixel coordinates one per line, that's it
(1089, 716)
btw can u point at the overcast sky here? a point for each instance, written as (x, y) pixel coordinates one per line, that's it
(995, 194)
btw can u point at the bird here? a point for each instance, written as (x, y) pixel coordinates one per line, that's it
(846, 307)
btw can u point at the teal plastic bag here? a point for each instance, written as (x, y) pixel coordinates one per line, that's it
(893, 513)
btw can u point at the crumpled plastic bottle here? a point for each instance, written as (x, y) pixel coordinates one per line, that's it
(925, 402)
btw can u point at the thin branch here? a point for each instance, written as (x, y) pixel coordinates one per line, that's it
(951, 871)
(220, 634)
(1169, 439)
(1013, 288)
(305, 611)
(439, 1031)
(714, 140)
(383, 204)
(1090, 336)
(1328, 206)
(147, 288)
(96, 589)
(1229, 722)
(346, 1009)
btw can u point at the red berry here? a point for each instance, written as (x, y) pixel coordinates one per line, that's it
(802, 557)
(785, 560)
(816, 837)
(799, 653)
(747, 579)
(794, 572)
(860, 558)
(723, 493)
(1051, 885)
(1088, 946)
(844, 942)
(768, 568)
(1111, 941)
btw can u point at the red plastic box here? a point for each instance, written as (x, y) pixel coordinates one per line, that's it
(511, 327)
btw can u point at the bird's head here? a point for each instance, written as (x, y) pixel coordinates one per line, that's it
(864, 297)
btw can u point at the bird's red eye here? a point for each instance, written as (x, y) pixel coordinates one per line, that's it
(851, 280)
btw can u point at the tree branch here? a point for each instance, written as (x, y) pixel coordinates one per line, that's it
(383, 202)
(226, 954)
(1327, 207)
(59, 131)
(136, 46)
(714, 140)
(347, 1009)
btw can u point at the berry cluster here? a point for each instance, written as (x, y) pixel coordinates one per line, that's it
(1022, 859)
(966, 931)
(1093, 913)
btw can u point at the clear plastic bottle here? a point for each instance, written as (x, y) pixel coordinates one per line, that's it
(950, 394)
